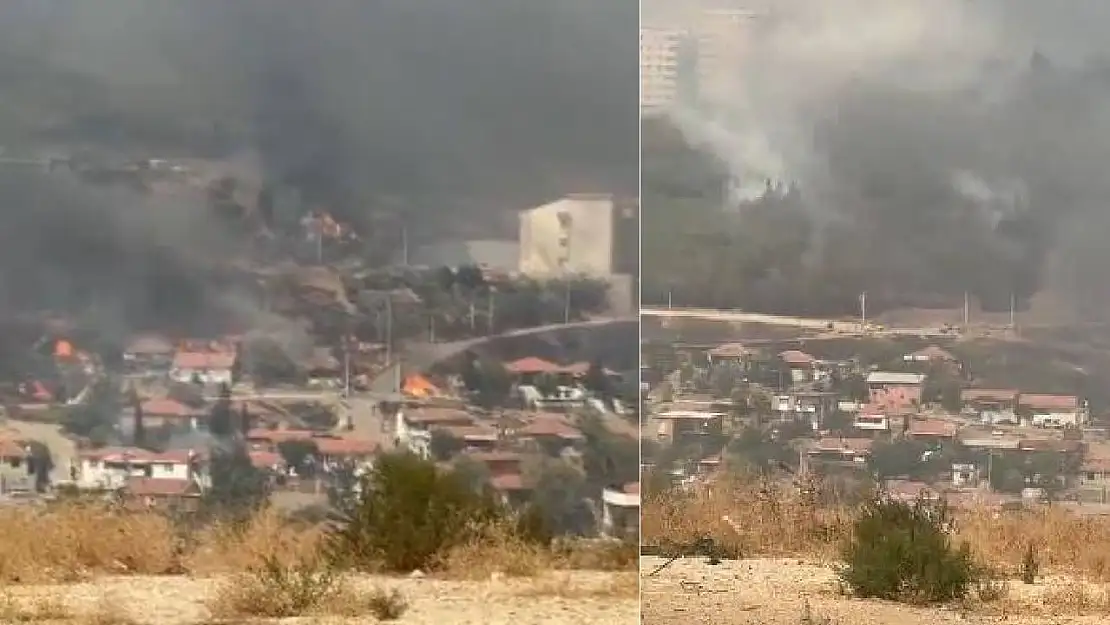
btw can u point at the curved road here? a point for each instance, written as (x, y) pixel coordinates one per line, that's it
(423, 356)
(830, 326)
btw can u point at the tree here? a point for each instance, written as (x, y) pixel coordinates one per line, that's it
(140, 425)
(609, 460)
(444, 445)
(41, 464)
(407, 513)
(488, 380)
(99, 414)
(220, 418)
(597, 380)
(560, 497)
(300, 455)
(238, 487)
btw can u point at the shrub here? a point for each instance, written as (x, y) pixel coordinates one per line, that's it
(406, 514)
(901, 552)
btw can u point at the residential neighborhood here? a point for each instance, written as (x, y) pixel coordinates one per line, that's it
(919, 422)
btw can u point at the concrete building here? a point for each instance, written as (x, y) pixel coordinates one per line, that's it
(722, 36)
(661, 65)
(578, 234)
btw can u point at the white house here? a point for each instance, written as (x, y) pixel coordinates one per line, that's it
(210, 368)
(620, 511)
(1054, 411)
(112, 467)
(872, 421)
(413, 427)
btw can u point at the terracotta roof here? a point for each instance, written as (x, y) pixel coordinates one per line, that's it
(150, 345)
(507, 482)
(11, 448)
(933, 427)
(161, 487)
(342, 446)
(988, 394)
(1049, 402)
(531, 364)
(494, 456)
(166, 407)
(203, 360)
(796, 357)
(551, 426)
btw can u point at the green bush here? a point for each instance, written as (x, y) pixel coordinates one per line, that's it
(406, 513)
(900, 552)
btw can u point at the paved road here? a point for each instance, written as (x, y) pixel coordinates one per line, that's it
(831, 326)
(424, 356)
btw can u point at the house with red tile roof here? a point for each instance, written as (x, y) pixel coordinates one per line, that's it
(165, 412)
(1054, 411)
(991, 406)
(211, 367)
(162, 493)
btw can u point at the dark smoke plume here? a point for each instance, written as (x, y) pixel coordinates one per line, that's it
(437, 112)
(957, 146)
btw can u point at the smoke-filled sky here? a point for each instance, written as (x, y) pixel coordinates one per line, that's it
(934, 125)
(424, 106)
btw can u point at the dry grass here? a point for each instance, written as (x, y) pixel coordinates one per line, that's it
(754, 519)
(561, 584)
(53, 608)
(74, 541)
(498, 551)
(279, 590)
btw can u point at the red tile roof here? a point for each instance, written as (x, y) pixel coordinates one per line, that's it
(11, 448)
(345, 447)
(1049, 402)
(150, 345)
(166, 407)
(203, 360)
(550, 426)
(988, 394)
(507, 482)
(530, 365)
(795, 357)
(933, 427)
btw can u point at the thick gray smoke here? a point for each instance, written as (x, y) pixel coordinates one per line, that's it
(424, 108)
(959, 144)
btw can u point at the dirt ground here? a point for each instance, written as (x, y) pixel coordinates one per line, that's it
(690, 591)
(567, 599)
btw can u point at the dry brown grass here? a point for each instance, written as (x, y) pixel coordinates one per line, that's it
(72, 542)
(499, 551)
(310, 587)
(771, 521)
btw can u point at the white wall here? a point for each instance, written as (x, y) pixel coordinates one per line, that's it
(208, 377)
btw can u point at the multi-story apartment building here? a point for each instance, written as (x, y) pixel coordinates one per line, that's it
(661, 66)
(722, 37)
(579, 234)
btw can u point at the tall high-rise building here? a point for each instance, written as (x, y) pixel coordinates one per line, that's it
(661, 49)
(722, 37)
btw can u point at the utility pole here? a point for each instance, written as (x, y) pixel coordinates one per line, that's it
(388, 331)
(566, 304)
(669, 299)
(967, 312)
(405, 245)
(490, 314)
(863, 307)
(1013, 326)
